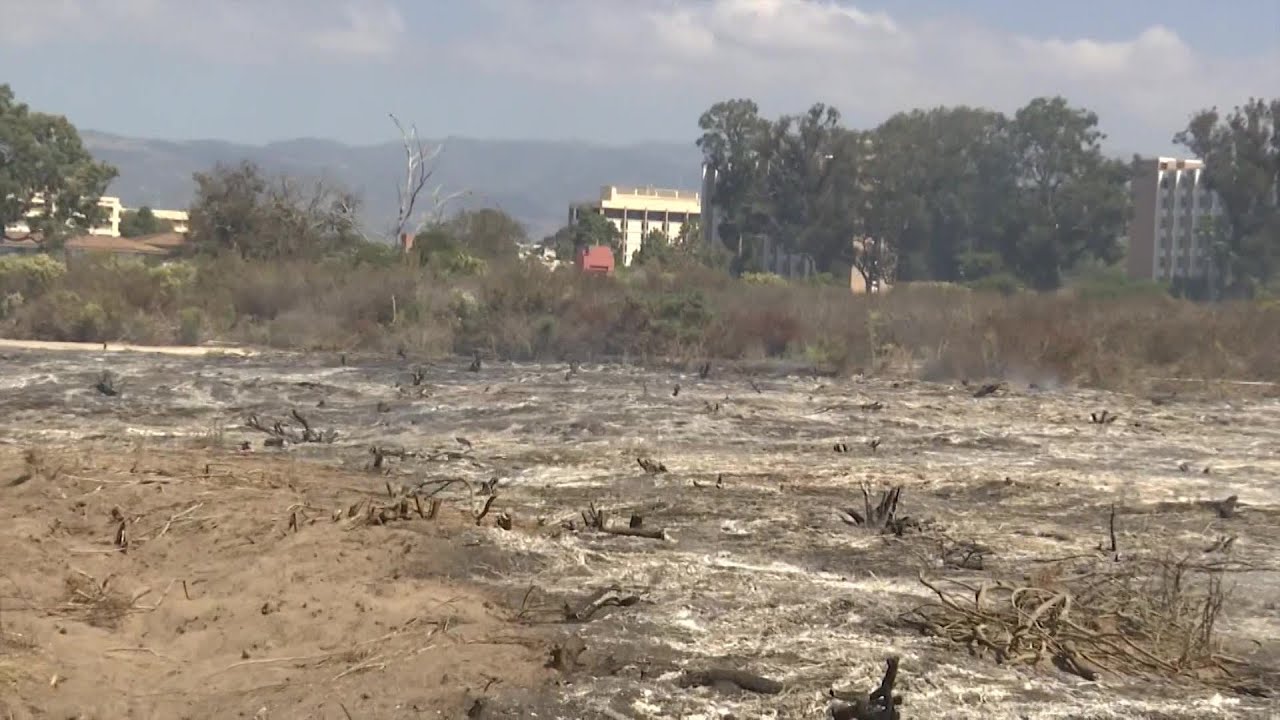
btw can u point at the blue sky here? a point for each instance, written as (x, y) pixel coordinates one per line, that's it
(619, 71)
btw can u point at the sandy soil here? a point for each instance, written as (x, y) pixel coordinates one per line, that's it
(252, 583)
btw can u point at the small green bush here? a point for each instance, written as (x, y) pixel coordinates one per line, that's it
(1004, 283)
(191, 323)
(29, 275)
(764, 278)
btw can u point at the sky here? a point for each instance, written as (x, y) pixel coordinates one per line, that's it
(620, 71)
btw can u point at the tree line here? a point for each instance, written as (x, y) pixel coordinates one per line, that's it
(955, 194)
(962, 194)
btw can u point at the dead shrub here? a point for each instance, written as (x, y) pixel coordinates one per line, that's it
(95, 602)
(522, 310)
(1155, 617)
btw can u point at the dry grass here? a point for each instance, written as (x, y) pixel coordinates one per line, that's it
(525, 312)
(95, 601)
(1152, 618)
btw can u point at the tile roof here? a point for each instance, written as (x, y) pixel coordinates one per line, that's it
(106, 243)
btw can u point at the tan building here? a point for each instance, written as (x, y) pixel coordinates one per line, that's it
(110, 225)
(177, 218)
(1172, 206)
(636, 211)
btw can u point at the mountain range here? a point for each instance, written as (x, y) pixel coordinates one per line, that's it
(534, 181)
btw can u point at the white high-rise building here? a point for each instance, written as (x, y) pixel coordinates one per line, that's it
(1172, 207)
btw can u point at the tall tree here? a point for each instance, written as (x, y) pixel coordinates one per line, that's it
(734, 136)
(1073, 199)
(1241, 152)
(936, 183)
(42, 157)
(796, 206)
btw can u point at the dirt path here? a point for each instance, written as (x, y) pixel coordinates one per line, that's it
(185, 350)
(189, 584)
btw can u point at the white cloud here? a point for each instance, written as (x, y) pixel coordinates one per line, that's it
(625, 57)
(234, 31)
(785, 52)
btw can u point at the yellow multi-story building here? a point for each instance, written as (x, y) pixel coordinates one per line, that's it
(637, 210)
(110, 224)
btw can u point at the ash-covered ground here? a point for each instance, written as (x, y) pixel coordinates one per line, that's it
(760, 570)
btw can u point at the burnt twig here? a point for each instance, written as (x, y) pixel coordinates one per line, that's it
(653, 467)
(599, 520)
(879, 704)
(727, 678)
(608, 597)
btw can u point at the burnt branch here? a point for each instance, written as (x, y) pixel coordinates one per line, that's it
(598, 520)
(608, 597)
(879, 704)
(282, 434)
(730, 678)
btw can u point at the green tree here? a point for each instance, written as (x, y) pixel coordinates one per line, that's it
(1241, 152)
(948, 194)
(439, 247)
(690, 233)
(140, 222)
(487, 233)
(1073, 200)
(655, 249)
(798, 206)
(240, 211)
(590, 228)
(937, 184)
(41, 155)
(734, 139)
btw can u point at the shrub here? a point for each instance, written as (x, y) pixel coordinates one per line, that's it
(191, 322)
(763, 278)
(1004, 283)
(29, 275)
(1103, 331)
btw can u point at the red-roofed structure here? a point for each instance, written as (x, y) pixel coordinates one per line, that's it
(595, 259)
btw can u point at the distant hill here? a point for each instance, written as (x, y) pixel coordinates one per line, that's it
(533, 181)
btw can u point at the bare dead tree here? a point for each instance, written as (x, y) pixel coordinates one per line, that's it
(420, 162)
(419, 168)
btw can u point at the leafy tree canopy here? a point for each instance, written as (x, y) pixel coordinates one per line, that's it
(41, 156)
(1241, 152)
(241, 211)
(935, 194)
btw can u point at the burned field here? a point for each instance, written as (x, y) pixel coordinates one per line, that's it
(283, 536)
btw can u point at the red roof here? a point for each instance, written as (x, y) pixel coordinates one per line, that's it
(597, 258)
(157, 244)
(119, 245)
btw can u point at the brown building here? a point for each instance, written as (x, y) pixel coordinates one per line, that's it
(1172, 208)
